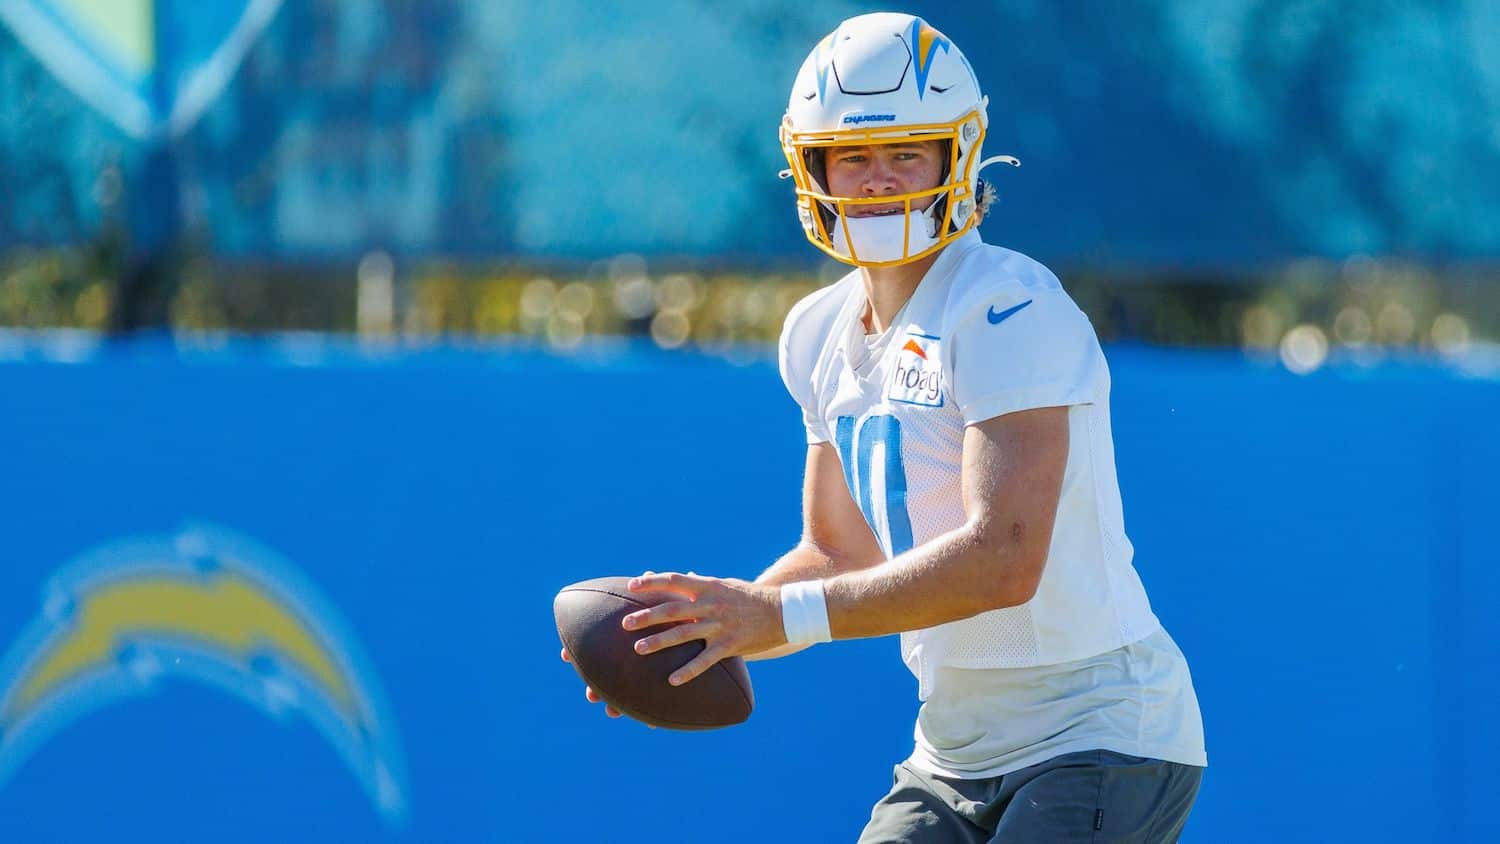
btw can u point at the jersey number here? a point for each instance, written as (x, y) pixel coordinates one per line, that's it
(857, 452)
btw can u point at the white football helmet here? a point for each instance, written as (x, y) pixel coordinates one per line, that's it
(879, 79)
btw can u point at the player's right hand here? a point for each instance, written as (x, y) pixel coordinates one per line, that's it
(589, 692)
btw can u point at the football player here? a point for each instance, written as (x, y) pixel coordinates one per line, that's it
(960, 484)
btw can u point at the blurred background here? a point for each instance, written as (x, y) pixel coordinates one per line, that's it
(439, 306)
(1212, 173)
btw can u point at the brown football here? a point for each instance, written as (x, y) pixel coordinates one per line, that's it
(588, 621)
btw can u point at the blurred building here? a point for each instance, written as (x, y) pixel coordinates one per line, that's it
(1169, 139)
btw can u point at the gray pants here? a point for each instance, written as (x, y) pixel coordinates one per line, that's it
(1095, 796)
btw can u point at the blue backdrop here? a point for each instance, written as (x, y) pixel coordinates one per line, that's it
(1313, 543)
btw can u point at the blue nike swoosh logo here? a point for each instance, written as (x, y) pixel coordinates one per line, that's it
(996, 319)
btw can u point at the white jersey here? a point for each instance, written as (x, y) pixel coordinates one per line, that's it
(987, 332)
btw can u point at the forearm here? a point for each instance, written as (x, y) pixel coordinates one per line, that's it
(804, 562)
(954, 576)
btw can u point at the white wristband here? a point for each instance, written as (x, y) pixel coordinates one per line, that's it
(804, 613)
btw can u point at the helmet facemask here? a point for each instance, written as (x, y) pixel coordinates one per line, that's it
(825, 218)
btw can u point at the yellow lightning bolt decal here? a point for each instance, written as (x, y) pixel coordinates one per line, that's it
(221, 609)
(925, 36)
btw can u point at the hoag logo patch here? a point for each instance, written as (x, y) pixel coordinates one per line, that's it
(917, 377)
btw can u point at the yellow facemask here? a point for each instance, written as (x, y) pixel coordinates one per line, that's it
(825, 218)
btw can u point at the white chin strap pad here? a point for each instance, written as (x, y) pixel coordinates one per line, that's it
(879, 238)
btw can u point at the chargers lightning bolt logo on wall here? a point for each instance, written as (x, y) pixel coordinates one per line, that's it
(208, 606)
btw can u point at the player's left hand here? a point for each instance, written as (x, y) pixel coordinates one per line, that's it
(732, 617)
